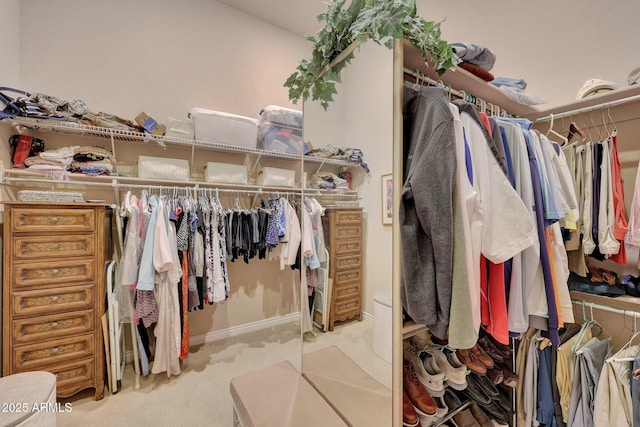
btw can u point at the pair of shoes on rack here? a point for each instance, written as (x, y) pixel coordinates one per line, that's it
(426, 369)
(470, 416)
(490, 348)
(481, 390)
(475, 359)
(417, 394)
(441, 410)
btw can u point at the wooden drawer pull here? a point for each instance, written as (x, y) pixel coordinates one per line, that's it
(53, 325)
(54, 299)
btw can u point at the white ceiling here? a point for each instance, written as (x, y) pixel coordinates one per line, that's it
(297, 16)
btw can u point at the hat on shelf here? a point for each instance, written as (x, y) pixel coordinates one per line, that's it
(594, 86)
(634, 77)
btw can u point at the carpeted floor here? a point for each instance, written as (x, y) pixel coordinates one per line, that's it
(199, 396)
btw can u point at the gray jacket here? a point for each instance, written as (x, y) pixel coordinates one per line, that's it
(426, 208)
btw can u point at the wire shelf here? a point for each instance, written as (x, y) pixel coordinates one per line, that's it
(72, 128)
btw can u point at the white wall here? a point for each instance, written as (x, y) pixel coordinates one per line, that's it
(554, 45)
(10, 36)
(159, 56)
(165, 57)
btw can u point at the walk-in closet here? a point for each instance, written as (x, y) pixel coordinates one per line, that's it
(195, 235)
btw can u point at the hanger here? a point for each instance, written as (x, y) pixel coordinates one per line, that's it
(597, 128)
(575, 130)
(587, 324)
(636, 333)
(563, 140)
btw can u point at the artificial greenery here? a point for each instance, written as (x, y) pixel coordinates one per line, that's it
(378, 20)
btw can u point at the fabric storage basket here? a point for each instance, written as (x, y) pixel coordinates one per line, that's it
(224, 128)
(276, 177)
(225, 173)
(179, 129)
(280, 130)
(163, 168)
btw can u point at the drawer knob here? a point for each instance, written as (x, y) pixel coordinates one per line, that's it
(54, 299)
(55, 271)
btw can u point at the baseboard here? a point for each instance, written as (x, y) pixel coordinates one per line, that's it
(247, 328)
(367, 315)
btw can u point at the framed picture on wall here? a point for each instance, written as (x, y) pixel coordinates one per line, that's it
(387, 199)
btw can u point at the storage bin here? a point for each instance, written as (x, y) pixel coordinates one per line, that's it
(163, 168)
(226, 173)
(224, 128)
(280, 130)
(179, 129)
(276, 177)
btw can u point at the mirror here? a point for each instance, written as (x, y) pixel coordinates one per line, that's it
(361, 116)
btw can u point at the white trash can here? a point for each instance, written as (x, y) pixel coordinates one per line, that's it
(383, 325)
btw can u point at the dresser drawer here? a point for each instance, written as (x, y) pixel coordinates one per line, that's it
(348, 246)
(347, 276)
(47, 301)
(348, 232)
(51, 273)
(348, 262)
(44, 354)
(40, 247)
(347, 307)
(348, 217)
(345, 292)
(72, 377)
(53, 327)
(52, 220)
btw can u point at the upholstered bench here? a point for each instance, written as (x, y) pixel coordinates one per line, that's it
(353, 393)
(278, 396)
(28, 399)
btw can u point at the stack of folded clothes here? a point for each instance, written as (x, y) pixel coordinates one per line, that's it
(329, 181)
(476, 59)
(92, 161)
(80, 159)
(438, 380)
(354, 155)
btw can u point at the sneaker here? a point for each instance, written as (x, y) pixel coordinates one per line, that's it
(454, 371)
(422, 340)
(426, 369)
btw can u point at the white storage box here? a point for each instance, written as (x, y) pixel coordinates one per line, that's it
(179, 129)
(280, 130)
(224, 128)
(163, 168)
(226, 173)
(276, 177)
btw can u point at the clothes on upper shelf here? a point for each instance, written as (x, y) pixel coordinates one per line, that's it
(82, 159)
(474, 53)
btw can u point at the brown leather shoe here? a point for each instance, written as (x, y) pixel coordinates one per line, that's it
(481, 417)
(482, 356)
(468, 359)
(509, 378)
(495, 375)
(491, 349)
(409, 414)
(418, 395)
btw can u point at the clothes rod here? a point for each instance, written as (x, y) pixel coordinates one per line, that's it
(632, 313)
(494, 109)
(117, 185)
(590, 109)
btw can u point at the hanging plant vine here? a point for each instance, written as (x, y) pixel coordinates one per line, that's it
(378, 20)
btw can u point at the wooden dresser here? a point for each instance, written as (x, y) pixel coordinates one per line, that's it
(343, 237)
(53, 292)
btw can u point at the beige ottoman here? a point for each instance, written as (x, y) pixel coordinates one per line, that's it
(28, 399)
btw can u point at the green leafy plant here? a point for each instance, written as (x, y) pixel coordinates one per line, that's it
(378, 20)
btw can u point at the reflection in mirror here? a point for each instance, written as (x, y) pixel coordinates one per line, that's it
(347, 354)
